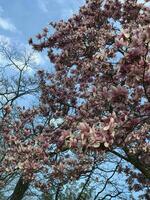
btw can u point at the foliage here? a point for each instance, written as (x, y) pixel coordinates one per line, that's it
(96, 104)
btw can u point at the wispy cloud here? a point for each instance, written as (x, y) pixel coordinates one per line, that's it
(7, 25)
(37, 60)
(4, 42)
(43, 5)
(5, 39)
(68, 8)
(63, 8)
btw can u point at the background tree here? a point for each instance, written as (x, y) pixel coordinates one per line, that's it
(18, 87)
(16, 78)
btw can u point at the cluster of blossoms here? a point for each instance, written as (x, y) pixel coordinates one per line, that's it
(87, 137)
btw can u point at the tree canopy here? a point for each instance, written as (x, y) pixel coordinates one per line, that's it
(94, 108)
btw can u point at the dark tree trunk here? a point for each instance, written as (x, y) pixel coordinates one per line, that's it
(20, 189)
(143, 168)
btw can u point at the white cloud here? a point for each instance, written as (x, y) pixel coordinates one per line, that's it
(68, 8)
(5, 40)
(43, 5)
(38, 59)
(6, 24)
(24, 50)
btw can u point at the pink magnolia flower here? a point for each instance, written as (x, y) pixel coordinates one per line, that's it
(84, 127)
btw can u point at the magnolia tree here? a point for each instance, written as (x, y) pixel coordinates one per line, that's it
(94, 106)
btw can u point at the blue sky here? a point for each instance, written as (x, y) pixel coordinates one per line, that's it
(22, 19)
